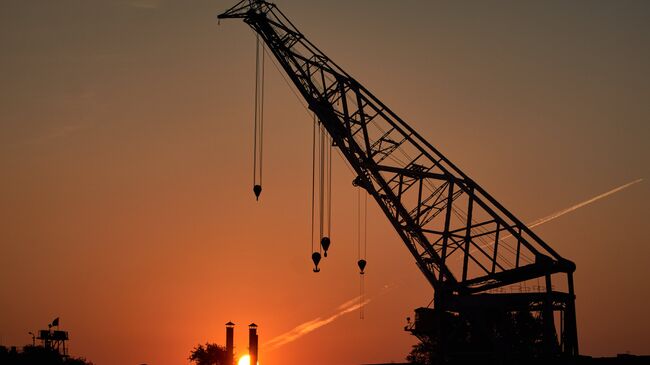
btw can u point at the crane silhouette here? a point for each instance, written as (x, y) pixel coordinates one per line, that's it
(453, 228)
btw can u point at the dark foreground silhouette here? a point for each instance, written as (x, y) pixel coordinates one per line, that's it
(209, 354)
(37, 355)
(424, 354)
(497, 338)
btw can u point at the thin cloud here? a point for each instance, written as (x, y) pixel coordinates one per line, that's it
(310, 326)
(349, 303)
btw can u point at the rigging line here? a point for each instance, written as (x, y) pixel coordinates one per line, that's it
(431, 302)
(490, 243)
(320, 185)
(365, 227)
(365, 252)
(354, 221)
(257, 71)
(308, 111)
(577, 206)
(313, 180)
(523, 254)
(346, 163)
(291, 86)
(323, 187)
(459, 212)
(261, 126)
(503, 244)
(486, 244)
(261, 112)
(361, 275)
(300, 100)
(355, 213)
(362, 294)
(304, 106)
(302, 103)
(329, 189)
(359, 220)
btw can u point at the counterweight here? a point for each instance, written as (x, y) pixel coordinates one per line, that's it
(463, 240)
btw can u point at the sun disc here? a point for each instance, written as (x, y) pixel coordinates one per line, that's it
(244, 360)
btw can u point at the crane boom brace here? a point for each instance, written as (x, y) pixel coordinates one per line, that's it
(463, 240)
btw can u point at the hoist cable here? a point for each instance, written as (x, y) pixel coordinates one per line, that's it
(313, 180)
(261, 114)
(320, 178)
(365, 227)
(359, 222)
(362, 289)
(354, 224)
(307, 110)
(257, 78)
(329, 189)
(362, 295)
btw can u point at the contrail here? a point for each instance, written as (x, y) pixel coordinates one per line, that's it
(580, 205)
(570, 209)
(309, 326)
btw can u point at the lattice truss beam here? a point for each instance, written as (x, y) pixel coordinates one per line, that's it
(463, 240)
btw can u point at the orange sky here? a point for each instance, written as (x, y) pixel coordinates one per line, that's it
(125, 199)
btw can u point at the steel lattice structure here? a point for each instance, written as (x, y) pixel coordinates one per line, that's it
(463, 240)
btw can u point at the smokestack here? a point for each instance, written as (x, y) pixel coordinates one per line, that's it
(230, 334)
(252, 343)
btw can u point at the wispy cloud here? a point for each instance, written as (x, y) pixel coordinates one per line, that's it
(304, 328)
(310, 326)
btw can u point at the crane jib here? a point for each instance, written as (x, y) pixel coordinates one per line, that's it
(463, 240)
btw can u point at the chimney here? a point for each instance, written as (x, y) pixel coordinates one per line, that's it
(230, 334)
(252, 343)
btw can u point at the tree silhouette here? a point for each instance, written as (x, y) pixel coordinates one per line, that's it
(37, 355)
(422, 353)
(210, 354)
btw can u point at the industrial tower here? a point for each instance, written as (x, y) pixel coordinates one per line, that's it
(470, 248)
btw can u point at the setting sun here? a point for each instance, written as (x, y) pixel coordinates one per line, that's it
(245, 360)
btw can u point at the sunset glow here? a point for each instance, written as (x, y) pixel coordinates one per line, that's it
(245, 360)
(127, 161)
